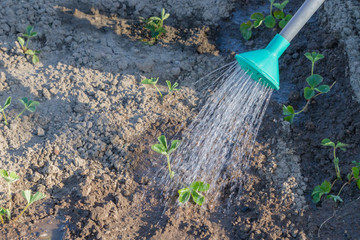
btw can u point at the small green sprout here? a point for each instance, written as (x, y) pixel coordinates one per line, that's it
(269, 20)
(9, 177)
(28, 104)
(29, 33)
(325, 187)
(30, 200)
(2, 109)
(156, 26)
(163, 149)
(152, 81)
(313, 90)
(173, 87)
(320, 190)
(193, 190)
(342, 146)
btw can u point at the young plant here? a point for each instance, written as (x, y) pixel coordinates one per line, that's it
(29, 33)
(28, 105)
(313, 89)
(156, 26)
(325, 187)
(9, 177)
(30, 200)
(342, 146)
(2, 109)
(152, 81)
(193, 190)
(173, 87)
(163, 149)
(269, 20)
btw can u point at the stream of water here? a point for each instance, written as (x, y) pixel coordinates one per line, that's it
(217, 144)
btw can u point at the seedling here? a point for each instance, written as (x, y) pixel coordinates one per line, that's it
(29, 33)
(28, 104)
(342, 146)
(269, 20)
(193, 190)
(2, 109)
(30, 200)
(155, 25)
(11, 177)
(313, 90)
(325, 187)
(152, 81)
(162, 148)
(173, 87)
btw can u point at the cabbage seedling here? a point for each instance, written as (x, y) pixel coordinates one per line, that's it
(28, 104)
(9, 177)
(156, 26)
(320, 190)
(2, 109)
(173, 87)
(152, 81)
(342, 146)
(4, 213)
(30, 198)
(193, 190)
(163, 149)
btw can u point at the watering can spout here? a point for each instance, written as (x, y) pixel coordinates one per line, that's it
(263, 64)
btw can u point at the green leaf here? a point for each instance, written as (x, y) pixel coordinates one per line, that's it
(349, 176)
(323, 88)
(162, 141)
(320, 190)
(284, 3)
(203, 187)
(163, 12)
(326, 187)
(30, 52)
(309, 56)
(269, 21)
(289, 110)
(342, 146)
(308, 93)
(9, 177)
(27, 195)
(285, 20)
(29, 29)
(198, 198)
(290, 118)
(357, 164)
(33, 34)
(335, 198)
(279, 14)
(277, 5)
(7, 103)
(358, 183)
(318, 56)
(245, 29)
(327, 142)
(151, 81)
(174, 145)
(258, 19)
(21, 41)
(184, 195)
(159, 148)
(355, 172)
(36, 197)
(314, 80)
(168, 84)
(35, 59)
(271, 2)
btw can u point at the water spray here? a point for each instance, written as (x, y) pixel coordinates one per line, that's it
(263, 64)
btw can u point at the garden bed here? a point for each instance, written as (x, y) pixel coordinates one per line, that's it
(88, 144)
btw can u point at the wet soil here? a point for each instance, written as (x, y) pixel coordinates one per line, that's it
(87, 146)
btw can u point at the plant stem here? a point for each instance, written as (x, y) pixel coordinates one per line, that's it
(168, 161)
(342, 188)
(2, 220)
(271, 8)
(27, 43)
(312, 67)
(158, 91)
(6, 123)
(337, 169)
(10, 200)
(20, 113)
(21, 213)
(308, 101)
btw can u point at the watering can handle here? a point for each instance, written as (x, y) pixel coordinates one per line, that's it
(302, 15)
